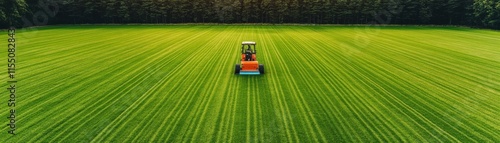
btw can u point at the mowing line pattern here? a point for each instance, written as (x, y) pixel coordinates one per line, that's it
(144, 83)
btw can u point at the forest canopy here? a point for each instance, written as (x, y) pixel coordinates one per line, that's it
(475, 13)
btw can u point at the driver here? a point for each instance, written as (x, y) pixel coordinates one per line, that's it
(248, 54)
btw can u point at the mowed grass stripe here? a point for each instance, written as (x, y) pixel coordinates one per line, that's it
(445, 100)
(154, 113)
(347, 99)
(173, 91)
(346, 61)
(298, 65)
(133, 106)
(140, 74)
(382, 88)
(210, 131)
(464, 69)
(331, 57)
(200, 110)
(285, 116)
(362, 72)
(319, 67)
(76, 71)
(223, 130)
(437, 77)
(139, 68)
(322, 84)
(166, 48)
(68, 116)
(71, 67)
(142, 87)
(50, 70)
(214, 63)
(267, 54)
(315, 64)
(430, 106)
(202, 54)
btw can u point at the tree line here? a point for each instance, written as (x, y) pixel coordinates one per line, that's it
(476, 13)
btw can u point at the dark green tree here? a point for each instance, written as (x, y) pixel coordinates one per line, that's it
(11, 12)
(480, 13)
(487, 13)
(293, 12)
(3, 17)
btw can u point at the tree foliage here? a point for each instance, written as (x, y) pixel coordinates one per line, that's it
(481, 13)
(487, 13)
(11, 12)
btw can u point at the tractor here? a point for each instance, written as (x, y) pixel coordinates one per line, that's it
(248, 62)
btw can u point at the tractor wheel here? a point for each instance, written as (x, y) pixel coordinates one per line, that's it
(237, 69)
(261, 68)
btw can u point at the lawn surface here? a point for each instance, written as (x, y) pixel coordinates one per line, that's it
(322, 84)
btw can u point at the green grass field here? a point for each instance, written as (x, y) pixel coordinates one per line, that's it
(322, 84)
